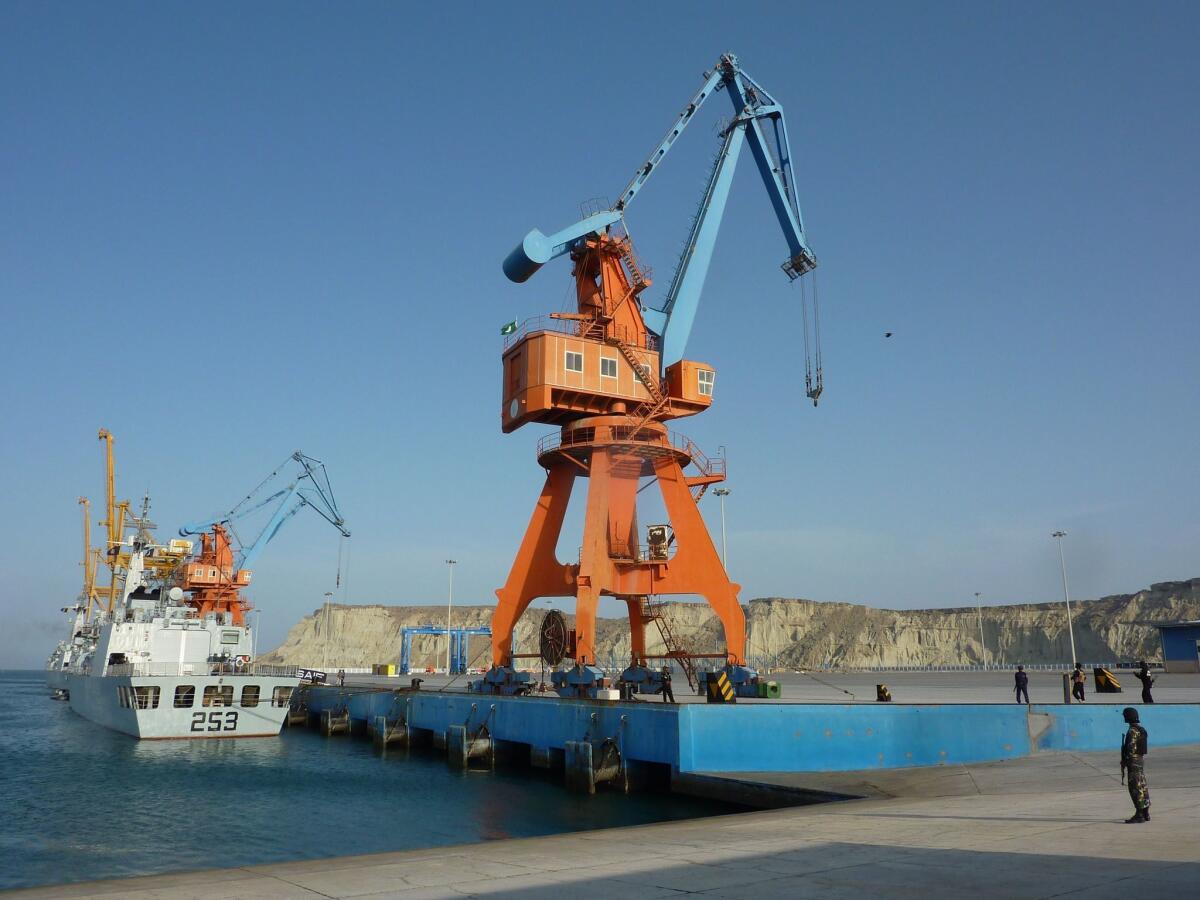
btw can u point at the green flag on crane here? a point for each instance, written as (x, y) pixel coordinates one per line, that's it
(509, 328)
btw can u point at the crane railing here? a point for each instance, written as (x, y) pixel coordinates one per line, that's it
(675, 442)
(581, 329)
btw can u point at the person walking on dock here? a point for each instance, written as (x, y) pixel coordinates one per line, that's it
(1143, 675)
(668, 695)
(1021, 677)
(1078, 678)
(1134, 748)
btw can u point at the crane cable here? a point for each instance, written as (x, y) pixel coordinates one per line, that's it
(812, 341)
(808, 373)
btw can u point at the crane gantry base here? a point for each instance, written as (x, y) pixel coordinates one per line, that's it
(613, 453)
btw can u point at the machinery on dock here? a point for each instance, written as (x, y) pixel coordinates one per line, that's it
(611, 375)
(459, 639)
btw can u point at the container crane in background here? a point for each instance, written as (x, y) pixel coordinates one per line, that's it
(219, 572)
(610, 375)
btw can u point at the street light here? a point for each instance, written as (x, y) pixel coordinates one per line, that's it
(254, 634)
(723, 493)
(450, 563)
(982, 642)
(1059, 535)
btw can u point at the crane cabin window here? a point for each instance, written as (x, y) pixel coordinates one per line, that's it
(706, 378)
(608, 367)
(573, 361)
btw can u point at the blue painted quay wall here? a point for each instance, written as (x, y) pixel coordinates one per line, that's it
(1100, 727)
(785, 737)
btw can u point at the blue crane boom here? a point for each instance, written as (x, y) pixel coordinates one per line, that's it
(309, 486)
(759, 121)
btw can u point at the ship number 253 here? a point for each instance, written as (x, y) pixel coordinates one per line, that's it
(215, 721)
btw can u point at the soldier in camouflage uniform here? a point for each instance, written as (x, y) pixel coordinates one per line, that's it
(1133, 752)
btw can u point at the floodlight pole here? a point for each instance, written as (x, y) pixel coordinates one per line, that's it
(982, 642)
(1059, 535)
(723, 493)
(450, 563)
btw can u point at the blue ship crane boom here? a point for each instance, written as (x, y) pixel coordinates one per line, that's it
(308, 487)
(759, 121)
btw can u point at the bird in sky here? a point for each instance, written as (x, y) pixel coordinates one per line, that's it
(887, 334)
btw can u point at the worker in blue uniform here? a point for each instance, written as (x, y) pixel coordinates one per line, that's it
(668, 695)
(1021, 684)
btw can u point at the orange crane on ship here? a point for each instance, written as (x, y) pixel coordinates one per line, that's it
(610, 376)
(217, 575)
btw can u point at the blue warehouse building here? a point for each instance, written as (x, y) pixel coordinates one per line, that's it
(1181, 646)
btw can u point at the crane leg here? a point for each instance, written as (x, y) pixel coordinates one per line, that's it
(536, 572)
(637, 630)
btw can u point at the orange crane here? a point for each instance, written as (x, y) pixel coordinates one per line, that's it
(610, 376)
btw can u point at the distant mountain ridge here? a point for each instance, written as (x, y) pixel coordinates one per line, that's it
(793, 633)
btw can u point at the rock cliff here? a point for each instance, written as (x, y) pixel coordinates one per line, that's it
(788, 633)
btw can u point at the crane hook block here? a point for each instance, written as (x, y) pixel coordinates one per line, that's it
(529, 256)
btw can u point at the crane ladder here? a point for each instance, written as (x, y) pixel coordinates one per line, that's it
(653, 612)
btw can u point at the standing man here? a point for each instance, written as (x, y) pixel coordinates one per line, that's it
(341, 677)
(1143, 675)
(1134, 748)
(1022, 684)
(668, 694)
(1078, 677)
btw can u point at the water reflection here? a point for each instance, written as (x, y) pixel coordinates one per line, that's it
(84, 802)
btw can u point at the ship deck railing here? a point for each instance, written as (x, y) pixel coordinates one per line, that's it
(197, 670)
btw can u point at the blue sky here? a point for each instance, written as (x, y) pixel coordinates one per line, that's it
(231, 231)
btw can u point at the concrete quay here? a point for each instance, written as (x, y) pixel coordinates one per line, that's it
(1045, 826)
(633, 742)
(994, 686)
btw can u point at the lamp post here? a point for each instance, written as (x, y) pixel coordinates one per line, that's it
(450, 563)
(982, 642)
(1059, 535)
(325, 646)
(254, 635)
(723, 493)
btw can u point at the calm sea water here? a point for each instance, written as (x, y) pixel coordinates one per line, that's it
(78, 801)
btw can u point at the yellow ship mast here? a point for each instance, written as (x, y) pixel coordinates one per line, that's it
(114, 517)
(90, 559)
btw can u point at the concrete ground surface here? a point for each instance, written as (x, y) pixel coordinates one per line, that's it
(1046, 826)
(906, 687)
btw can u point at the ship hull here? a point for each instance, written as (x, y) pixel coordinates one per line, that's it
(56, 680)
(153, 707)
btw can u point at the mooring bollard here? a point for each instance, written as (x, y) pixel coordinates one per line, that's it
(1066, 687)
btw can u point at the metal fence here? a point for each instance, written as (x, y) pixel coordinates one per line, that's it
(990, 667)
(177, 669)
